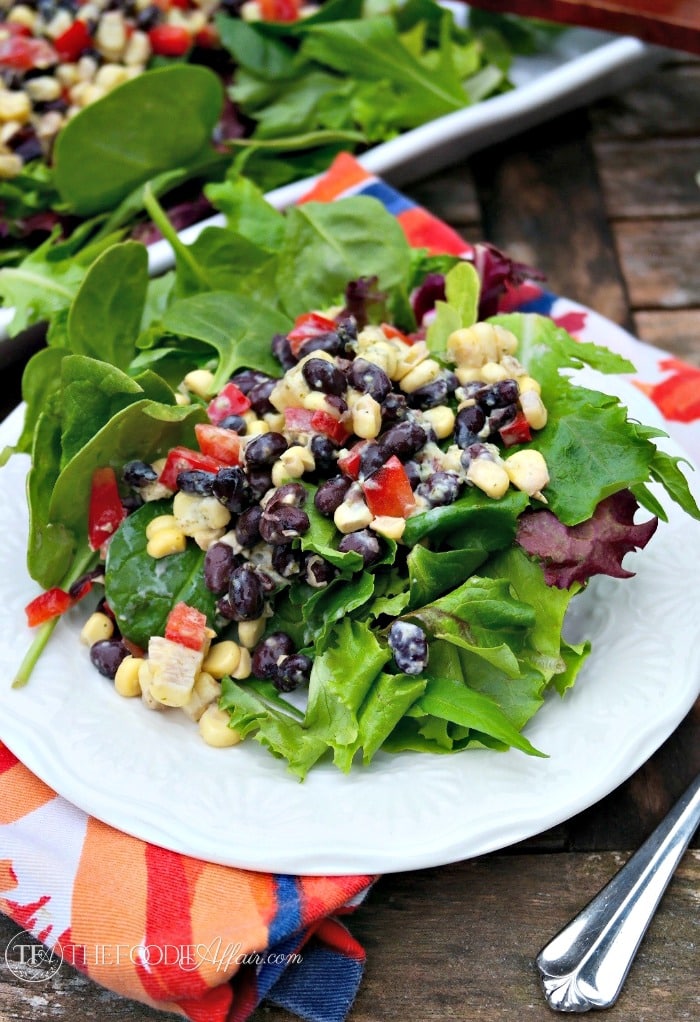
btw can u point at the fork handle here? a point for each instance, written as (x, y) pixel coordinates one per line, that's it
(585, 965)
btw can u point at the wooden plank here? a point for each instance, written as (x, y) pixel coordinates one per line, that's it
(676, 331)
(542, 204)
(659, 260)
(663, 105)
(647, 178)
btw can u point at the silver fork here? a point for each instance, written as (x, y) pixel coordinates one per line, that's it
(586, 964)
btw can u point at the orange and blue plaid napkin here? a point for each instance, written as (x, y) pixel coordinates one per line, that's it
(211, 942)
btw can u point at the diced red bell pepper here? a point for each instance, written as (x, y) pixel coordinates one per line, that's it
(22, 54)
(186, 625)
(279, 10)
(392, 331)
(306, 326)
(224, 445)
(516, 432)
(183, 459)
(71, 43)
(388, 490)
(305, 420)
(170, 40)
(349, 464)
(50, 604)
(324, 422)
(229, 401)
(106, 511)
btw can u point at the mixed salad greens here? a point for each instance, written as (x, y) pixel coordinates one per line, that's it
(273, 98)
(449, 635)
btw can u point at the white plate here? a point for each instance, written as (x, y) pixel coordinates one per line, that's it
(581, 66)
(150, 774)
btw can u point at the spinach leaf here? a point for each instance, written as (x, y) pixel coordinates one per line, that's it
(159, 121)
(105, 316)
(238, 328)
(141, 591)
(342, 238)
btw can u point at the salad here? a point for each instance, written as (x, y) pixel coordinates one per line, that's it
(273, 89)
(317, 466)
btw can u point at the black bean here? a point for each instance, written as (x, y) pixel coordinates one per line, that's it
(138, 473)
(323, 376)
(325, 454)
(347, 330)
(404, 440)
(195, 481)
(372, 457)
(363, 542)
(286, 560)
(394, 408)
(149, 17)
(369, 379)
(282, 351)
(268, 651)
(246, 594)
(246, 379)
(498, 395)
(236, 423)
(292, 494)
(429, 396)
(412, 470)
(231, 488)
(248, 526)
(28, 149)
(330, 495)
(475, 450)
(318, 571)
(259, 480)
(292, 672)
(259, 397)
(468, 424)
(219, 562)
(440, 488)
(94, 575)
(107, 654)
(265, 449)
(409, 646)
(283, 523)
(501, 417)
(330, 342)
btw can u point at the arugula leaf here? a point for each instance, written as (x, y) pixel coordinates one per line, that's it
(131, 135)
(142, 598)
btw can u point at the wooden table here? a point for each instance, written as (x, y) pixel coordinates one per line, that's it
(605, 201)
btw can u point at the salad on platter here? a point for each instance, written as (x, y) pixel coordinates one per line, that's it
(273, 89)
(336, 501)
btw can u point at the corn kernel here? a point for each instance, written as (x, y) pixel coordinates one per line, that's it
(526, 383)
(250, 632)
(493, 372)
(533, 409)
(441, 420)
(206, 691)
(126, 680)
(245, 666)
(527, 471)
(488, 476)
(214, 728)
(423, 374)
(389, 526)
(352, 515)
(222, 658)
(366, 417)
(97, 627)
(165, 542)
(200, 382)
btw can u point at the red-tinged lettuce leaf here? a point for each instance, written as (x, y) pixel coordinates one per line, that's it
(595, 547)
